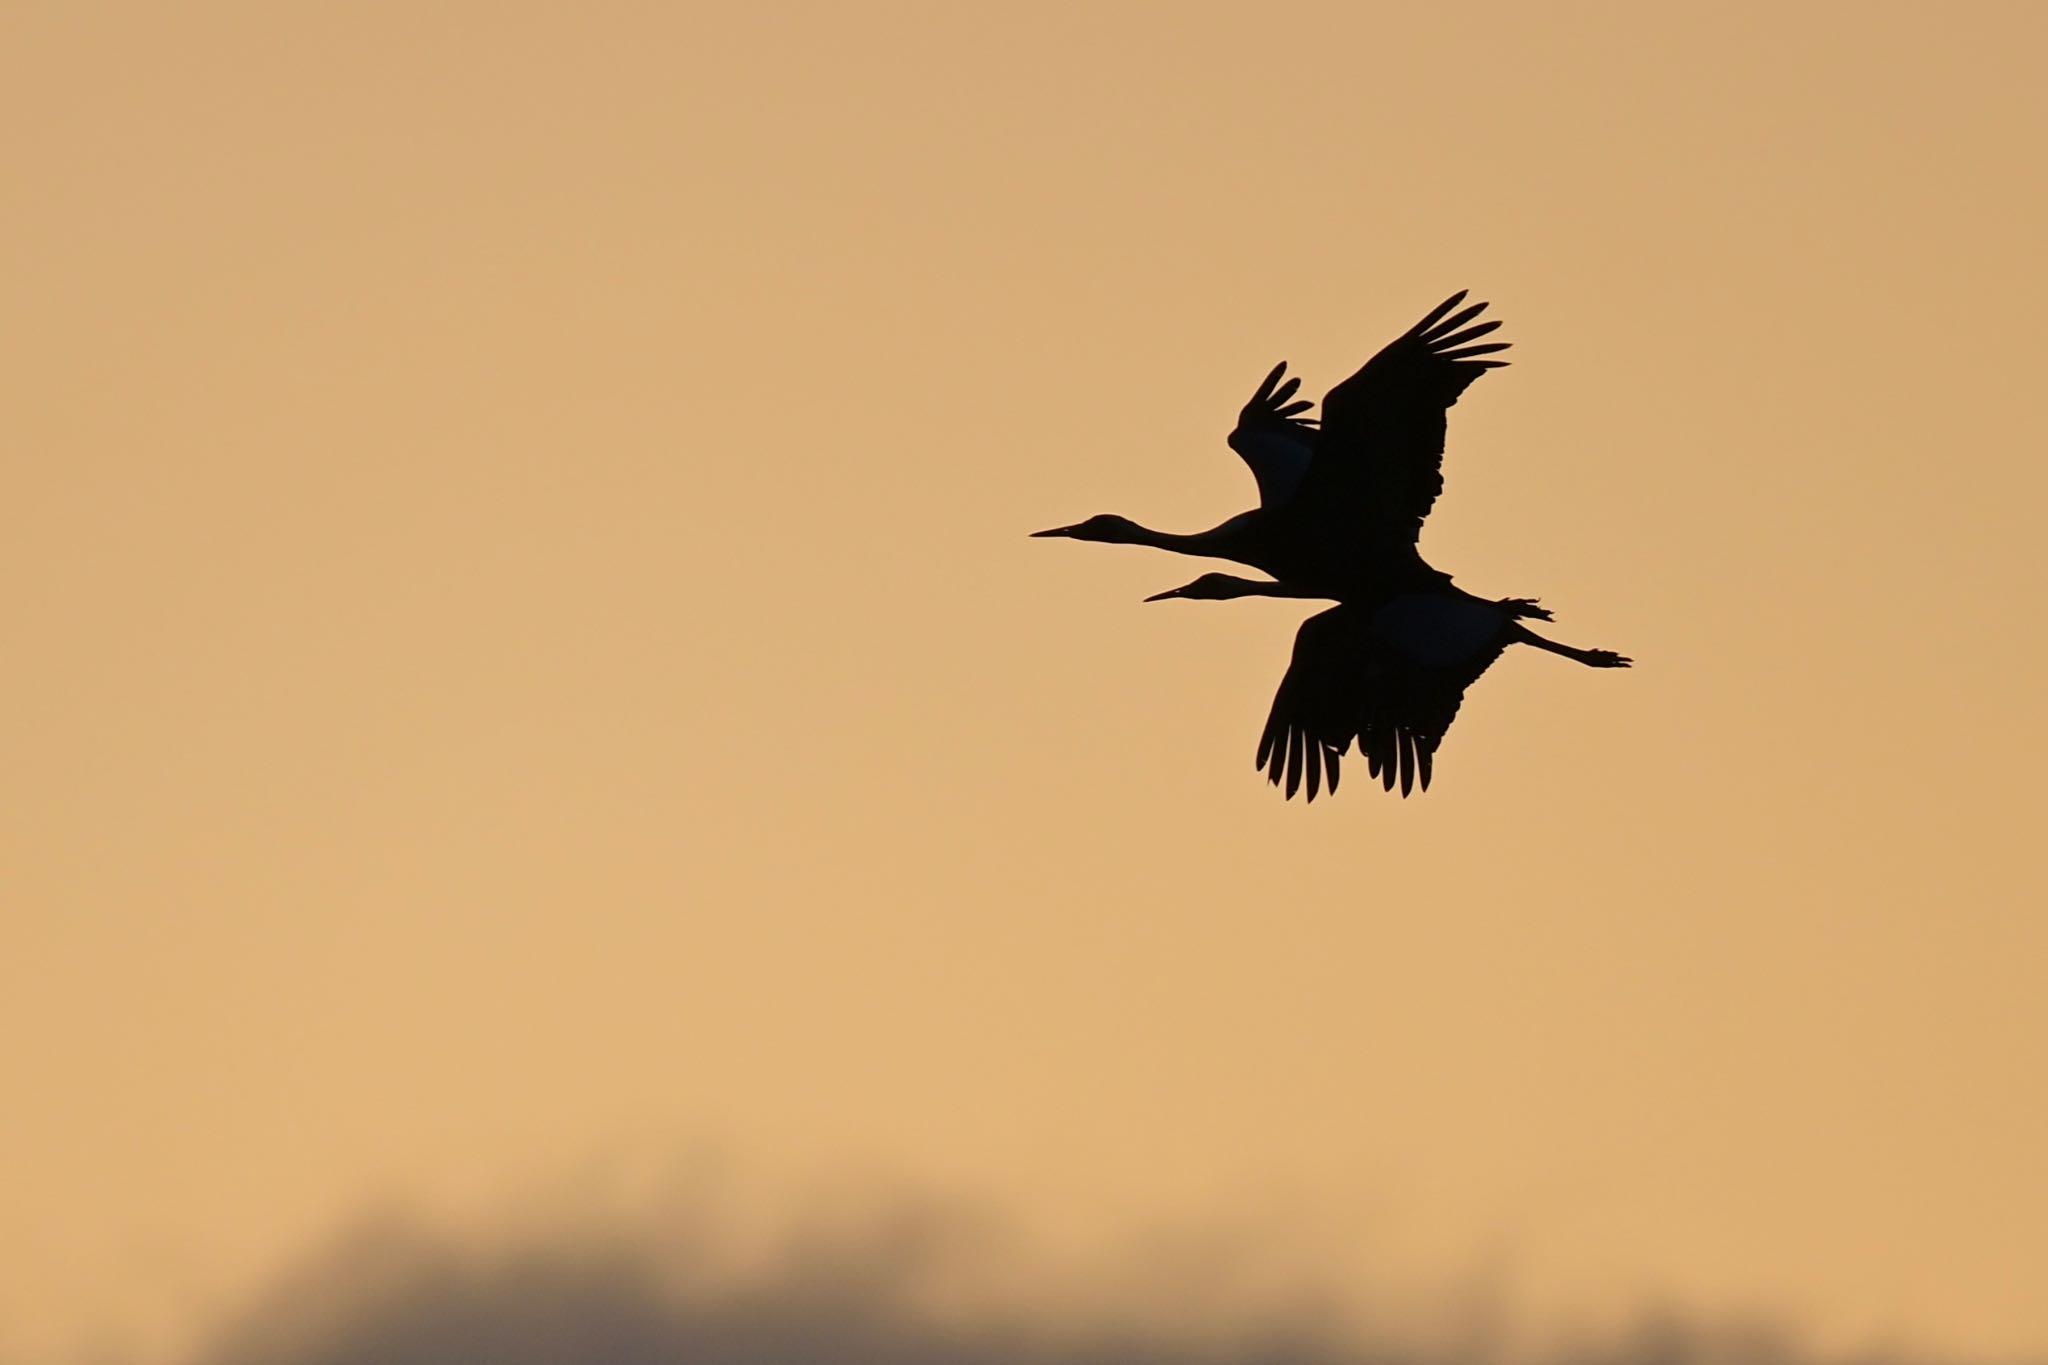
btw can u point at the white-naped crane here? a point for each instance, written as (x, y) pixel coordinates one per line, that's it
(1388, 673)
(1341, 507)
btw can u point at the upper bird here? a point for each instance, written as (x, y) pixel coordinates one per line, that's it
(1342, 501)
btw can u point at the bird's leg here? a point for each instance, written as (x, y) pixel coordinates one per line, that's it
(1591, 658)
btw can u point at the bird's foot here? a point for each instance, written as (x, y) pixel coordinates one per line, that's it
(1607, 658)
(1526, 608)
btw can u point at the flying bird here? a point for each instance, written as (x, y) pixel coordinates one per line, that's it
(1341, 506)
(1341, 501)
(1389, 674)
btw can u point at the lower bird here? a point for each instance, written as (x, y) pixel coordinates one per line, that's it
(1389, 674)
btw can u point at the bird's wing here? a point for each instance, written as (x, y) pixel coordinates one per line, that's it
(1380, 456)
(1314, 713)
(1344, 683)
(1274, 438)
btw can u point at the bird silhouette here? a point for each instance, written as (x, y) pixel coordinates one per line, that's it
(1389, 673)
(1341, 502)
(1341, 507)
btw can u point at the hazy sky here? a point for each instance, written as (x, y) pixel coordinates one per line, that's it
(522, 644)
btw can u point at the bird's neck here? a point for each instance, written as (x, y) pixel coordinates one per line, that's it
(1246, 587)
(1218, 542)
(1240, 540)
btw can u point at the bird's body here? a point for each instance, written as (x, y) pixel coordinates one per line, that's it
(1391, 676)
(1439, 629)
(1341, 501)
(1341, 507)
(1388, 672)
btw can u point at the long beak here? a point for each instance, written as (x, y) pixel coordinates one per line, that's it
(1170, 592)
(1055, 531)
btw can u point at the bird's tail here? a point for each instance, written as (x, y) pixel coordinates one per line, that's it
(1525, 609)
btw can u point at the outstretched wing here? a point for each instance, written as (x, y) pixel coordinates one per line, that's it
(1314, 714)
(1274, 439)
(1346, 683)
(1403, 719)
(1381, 453)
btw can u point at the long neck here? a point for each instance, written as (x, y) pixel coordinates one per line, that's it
(1236, 540)
(1250, 587)
(1202, 544)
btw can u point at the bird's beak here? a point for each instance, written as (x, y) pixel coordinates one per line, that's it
(1170, 592)
(1055, 531)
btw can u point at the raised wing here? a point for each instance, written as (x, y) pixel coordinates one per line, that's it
(1344, 683)
(1274, 439)
(1380, 457)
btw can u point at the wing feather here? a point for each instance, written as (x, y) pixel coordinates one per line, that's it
(1274, 439)
(1346, 683)
(1378, 464)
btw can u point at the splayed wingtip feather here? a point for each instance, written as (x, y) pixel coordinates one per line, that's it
(1437, 312)
(1435, 335)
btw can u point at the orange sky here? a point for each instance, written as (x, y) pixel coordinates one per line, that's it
(522, 642)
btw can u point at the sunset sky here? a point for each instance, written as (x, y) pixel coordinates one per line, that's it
(524, 656)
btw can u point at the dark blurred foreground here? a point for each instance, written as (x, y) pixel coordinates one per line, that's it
(394, 1295)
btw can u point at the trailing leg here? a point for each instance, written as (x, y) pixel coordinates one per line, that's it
(1592, 658)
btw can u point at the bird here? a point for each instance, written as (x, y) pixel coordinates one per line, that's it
(1342, 499)
(1388, 673)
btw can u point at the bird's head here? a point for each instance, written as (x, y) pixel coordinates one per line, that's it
(1111, 529)
(1215, 587)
